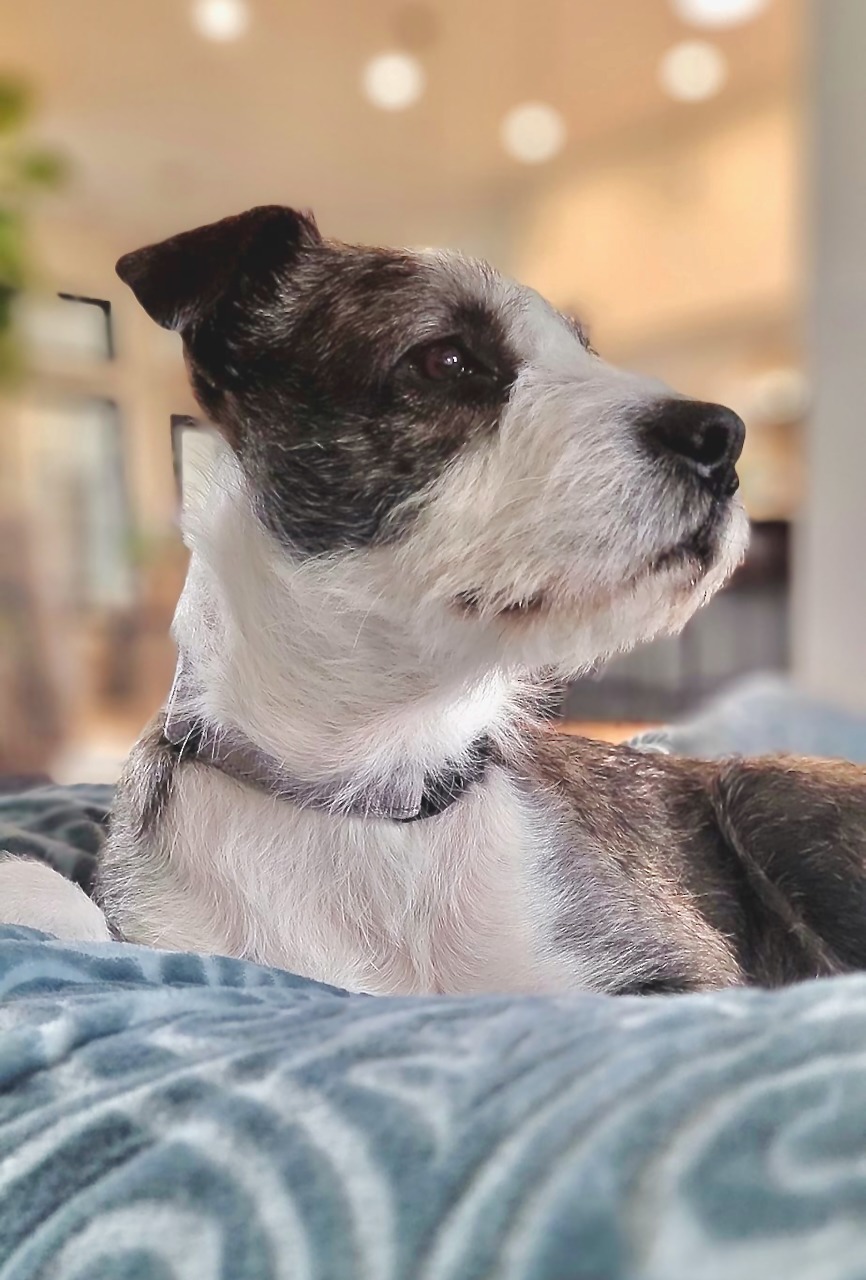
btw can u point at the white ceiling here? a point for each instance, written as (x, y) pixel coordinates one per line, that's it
(166, 129)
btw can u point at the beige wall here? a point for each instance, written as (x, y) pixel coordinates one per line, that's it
(694, 232)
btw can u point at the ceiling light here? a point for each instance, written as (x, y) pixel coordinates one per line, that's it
(393, 81)
(533, 132)
(718, 13)
(693, 71)
(221, 20)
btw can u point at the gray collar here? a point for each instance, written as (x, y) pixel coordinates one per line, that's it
(408, 796)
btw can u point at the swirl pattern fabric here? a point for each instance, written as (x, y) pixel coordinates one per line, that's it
(63, 826)
(169, 1116)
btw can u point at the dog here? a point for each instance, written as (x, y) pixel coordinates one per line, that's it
(431, 498)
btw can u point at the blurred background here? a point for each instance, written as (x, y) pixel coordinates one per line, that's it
(689, 176)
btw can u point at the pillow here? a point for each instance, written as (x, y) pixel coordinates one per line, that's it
(169, 1115)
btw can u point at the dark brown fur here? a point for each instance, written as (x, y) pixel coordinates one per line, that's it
(315, 342)
(740, 871)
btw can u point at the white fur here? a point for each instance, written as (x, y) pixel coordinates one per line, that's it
(32, 894)
(368, 905)
(359, 665)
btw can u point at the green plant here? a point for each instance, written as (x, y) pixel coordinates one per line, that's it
(25, 172)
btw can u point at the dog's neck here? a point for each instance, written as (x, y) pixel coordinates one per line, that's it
(291, 656)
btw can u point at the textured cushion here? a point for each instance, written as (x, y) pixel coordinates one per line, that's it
(171, 1116)
(762, 715)
(63, 826)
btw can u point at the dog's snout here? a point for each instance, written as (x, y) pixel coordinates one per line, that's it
(708, 438)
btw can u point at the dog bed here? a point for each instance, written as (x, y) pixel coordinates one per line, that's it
(167, 1115)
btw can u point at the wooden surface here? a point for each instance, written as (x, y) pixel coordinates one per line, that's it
(603, 732)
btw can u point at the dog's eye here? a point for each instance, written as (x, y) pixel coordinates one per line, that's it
(445, 361)
(442, 362)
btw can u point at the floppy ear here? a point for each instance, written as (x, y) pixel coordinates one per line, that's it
(798, 829)
(179, 281)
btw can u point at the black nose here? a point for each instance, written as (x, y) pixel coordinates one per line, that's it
(707, 438)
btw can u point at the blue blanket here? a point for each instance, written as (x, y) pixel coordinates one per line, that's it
(166, 1116)
(169, 1116)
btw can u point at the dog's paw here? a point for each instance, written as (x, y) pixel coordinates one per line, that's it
(34, 895)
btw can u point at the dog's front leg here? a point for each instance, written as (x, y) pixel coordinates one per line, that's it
(34, 895)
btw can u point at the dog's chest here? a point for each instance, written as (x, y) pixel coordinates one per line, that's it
(450, 903)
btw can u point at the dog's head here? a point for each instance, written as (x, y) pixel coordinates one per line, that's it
(451, 438)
